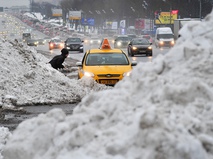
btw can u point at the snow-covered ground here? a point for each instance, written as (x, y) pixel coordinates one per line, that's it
(162, 111)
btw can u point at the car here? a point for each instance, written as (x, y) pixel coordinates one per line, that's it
(95, 41)
(148, 37)
(131, 36)
(32, 42)
(139, 46)
(56, 44)
(47, 39)
(105, 65)
(41, 41)
(74, 44)
(121, 41)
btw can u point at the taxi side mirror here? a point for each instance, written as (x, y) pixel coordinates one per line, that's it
(79, 64)
(134, 63)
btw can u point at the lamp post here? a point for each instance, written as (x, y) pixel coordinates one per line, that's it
(200, 10)
(31, 5)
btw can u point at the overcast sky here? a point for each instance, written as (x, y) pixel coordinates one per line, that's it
(10, 3)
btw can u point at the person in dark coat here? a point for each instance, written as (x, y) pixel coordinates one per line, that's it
(57, 61)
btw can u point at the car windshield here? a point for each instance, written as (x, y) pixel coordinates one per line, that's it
(140, 42)
(122, 39)
(74, 40)
(57, 40)
(106, 59)
(159, 36)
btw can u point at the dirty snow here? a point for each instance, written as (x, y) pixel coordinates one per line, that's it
(162, 111)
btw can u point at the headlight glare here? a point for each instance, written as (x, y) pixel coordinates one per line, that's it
(134, 48)
(127, 73)
(161, 42)
(119, 43)
(88, 74)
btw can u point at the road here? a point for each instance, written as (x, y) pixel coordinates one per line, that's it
(11, 118)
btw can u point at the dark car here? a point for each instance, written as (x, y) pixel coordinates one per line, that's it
(121, 41)
(74, 44)
(139, 46)
(56, 44)
(32, 42)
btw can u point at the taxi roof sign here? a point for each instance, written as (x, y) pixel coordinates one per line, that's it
(105, 44)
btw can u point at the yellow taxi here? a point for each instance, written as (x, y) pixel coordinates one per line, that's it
(105, 65)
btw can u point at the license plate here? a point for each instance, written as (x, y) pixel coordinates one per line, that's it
(142, 51)
(108, 81)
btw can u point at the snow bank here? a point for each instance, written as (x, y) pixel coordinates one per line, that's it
(4, 135)
(27, 79)
(162, 111)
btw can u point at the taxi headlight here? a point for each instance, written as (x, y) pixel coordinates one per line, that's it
(119, 43)
(127, 73)
(134, 48)
(150, 47)
(88, 74)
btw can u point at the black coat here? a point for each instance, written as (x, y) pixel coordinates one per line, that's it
(57, 61)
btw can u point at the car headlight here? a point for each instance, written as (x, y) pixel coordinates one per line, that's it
(127, 74)
(88, 74)
(119, 43)
(134, 48)
(161, 42)
(172, 42)
(150, 47)
(91, 41)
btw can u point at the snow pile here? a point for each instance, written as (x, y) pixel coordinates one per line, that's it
(27, 79)
(4, 135)
(162, 111)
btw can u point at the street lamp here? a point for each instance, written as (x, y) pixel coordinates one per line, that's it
(200, 9)
(31, 5)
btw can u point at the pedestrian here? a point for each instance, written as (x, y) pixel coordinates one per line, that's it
(58, 60)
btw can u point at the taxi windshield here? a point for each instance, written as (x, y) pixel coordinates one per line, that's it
(106, 59)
